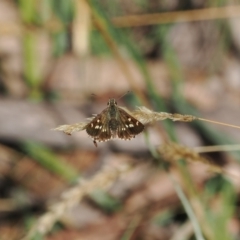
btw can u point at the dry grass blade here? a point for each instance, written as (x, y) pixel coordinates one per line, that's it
(81, 29)
(142, 114)
(178, 16)
(216, 122)
(217, 148)
(174, 152)
(69, 129)
(54, 25)
(145, 115)
(103, 180)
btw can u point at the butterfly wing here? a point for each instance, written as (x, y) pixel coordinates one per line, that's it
(98, 128)
(128, 125)
(123, 125)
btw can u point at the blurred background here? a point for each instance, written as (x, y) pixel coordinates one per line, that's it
(60, 62)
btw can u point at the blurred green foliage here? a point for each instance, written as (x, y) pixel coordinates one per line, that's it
(49, 160)
(108, 203)
(64, 10)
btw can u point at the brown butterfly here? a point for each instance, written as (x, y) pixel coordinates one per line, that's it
(113, 122)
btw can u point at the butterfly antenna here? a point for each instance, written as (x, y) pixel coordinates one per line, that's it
(124, 95)
(93, 97)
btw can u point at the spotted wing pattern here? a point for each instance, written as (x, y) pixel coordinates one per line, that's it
(98, 128)
(128, 125)
(123, 126)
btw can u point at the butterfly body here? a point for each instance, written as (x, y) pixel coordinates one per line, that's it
(113, 122)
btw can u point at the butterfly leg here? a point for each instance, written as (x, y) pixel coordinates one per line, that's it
(95, 143)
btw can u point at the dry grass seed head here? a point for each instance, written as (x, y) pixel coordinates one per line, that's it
(103, 180)
(142, 114)
(174, 152)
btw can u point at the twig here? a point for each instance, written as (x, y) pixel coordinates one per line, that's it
(178, 16)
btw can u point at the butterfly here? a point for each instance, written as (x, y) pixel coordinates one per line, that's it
(113, 122)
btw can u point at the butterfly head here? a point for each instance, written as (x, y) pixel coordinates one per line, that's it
(112, 108)
(112, 102)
